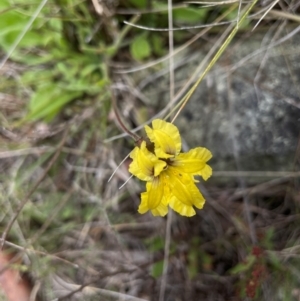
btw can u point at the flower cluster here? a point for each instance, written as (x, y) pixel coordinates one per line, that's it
(168, 172)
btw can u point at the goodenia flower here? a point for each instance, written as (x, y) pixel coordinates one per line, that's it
(168, 172)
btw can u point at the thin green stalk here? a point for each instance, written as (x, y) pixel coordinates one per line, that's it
(188, 95)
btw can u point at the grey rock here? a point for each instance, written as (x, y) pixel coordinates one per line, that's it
(247, 113)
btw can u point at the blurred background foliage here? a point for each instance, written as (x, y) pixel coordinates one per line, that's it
(79, 237)
(66, 51)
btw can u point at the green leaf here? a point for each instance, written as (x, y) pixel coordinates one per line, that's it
(275, 261)
(189, 15)
(139, 3)
(233, 16)
(30, 76)
(67, 71)
(157, 269)
(82, 86)
(12, 23)
(158, 44)
(55, 24)
(4, 4)
(31, 59)
(48, 100)
(155, 244)
(67, 212)
(87, 70)
(244, 266)
(140, 48)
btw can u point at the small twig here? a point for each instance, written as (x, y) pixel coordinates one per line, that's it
(125, 182)
(239, 13)
(26, 198)
(79, 289)
(30, 250)
(98, 7)
(213, 2)
(101, 292)
(118, 167)
(169, 217)
(147, 11)
(166, 257)
(35, 290)
(266, 174)
(268, 10)
(181, 28)
(258, 188)
(124, 128)
(286, 15)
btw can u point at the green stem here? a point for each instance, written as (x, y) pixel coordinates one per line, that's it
(188, 95)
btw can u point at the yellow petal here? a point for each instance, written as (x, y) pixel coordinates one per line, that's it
(185, 193)
(206, 172)
(166, 138)
(160, 210)
(181, 208)
(194, 162)
(145, 165)
(153, 199)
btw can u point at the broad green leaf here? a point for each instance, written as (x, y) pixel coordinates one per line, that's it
(140, 48)
(42, 95)
(12, 22)
(4, 4)
(189, 15)
(88, 70)
(51, 109)
(48, 100)
(55, 24)
(67, 71)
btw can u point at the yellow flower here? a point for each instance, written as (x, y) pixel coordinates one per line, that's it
(169, 174)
